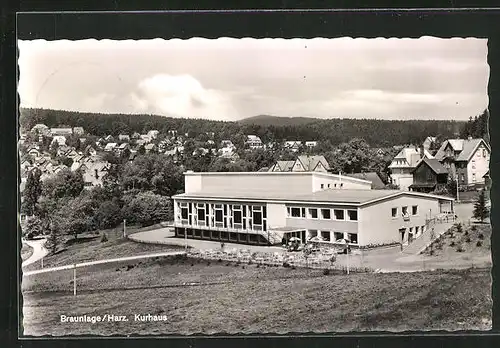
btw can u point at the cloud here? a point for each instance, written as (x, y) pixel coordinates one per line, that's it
(182, 96)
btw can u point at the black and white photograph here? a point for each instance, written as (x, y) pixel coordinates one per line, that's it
(254, 186)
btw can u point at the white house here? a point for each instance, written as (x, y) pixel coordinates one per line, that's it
(254, 142)
(467, 159)
(403, 164)
(59, 139)
(110, 147)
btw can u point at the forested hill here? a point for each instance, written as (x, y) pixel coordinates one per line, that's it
(377, 133)
(267, 120)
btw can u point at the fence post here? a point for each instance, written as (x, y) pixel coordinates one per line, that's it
(74, 280)
(124, 228)
(42, 262)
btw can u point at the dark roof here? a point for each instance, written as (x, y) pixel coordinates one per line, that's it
(434, 165)
(377, 182)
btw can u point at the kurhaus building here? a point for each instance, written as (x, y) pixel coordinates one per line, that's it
(267, 207)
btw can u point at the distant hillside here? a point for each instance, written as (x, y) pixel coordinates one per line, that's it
(377, 133)
(267, 120)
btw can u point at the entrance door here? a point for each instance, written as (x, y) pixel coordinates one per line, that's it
(402, 233)
(410, 238)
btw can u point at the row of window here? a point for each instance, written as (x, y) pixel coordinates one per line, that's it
(224, 215)
(323, 213)
(334, 185)
(404, 211)
(332, 236)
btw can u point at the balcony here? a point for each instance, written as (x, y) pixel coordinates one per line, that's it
(257, 228)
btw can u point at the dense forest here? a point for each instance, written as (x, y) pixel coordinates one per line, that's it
(477, 127)
(377, 133)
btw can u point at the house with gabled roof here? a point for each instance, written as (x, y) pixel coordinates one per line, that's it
(282, 166)
(403, 164)
(150, 148)
(123, 137)
(467, 160)
(376, 180)
(78, 130)
(90, 150)
(311, 164)
(61, 131)
(254, 142)
(429, 175)
(110, 147)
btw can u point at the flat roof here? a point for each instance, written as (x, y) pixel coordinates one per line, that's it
(329, 175)
(338, 196)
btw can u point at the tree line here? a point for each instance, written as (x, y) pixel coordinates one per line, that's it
(377, 133)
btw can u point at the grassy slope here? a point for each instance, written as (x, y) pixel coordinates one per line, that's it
(263, 299)
(89, 247)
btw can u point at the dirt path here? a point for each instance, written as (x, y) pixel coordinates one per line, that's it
(39, 251)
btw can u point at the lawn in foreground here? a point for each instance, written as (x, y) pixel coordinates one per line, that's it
(230, 298)
(88, 247)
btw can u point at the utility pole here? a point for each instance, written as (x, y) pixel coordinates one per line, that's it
(74, 280)
(124, 228)
(457, 189)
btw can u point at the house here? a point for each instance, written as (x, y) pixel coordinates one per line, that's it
(94, 172)
(282, 166)
(311, 164)
(226, 152)
(61, 131)
(145, 137)
(82, 140)
(110, 147)
(377, 182)
(150, 148)
(254, 142)
(293, 145)
(140, 142)
(109, 138)
(78, 130)
(428, 142)
(311, 144)
(265, 208)
(466, 159)
(210, 134)
(153, 134)
(123, 137)
(135, 135)
(34, 152)
(90, 150)
(429, 175)
(172, 133)
(403, 164)
(227, 144)
(201, 151)
(122, 147)
(59, 139)
(210, 142)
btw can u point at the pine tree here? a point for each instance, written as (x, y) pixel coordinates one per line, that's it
(481, 211)
(32, 192)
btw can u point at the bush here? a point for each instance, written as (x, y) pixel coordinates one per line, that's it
(326, 271)
(104, 238)
(479, 243)
(286, 264)
(466, 233)
(431, 252)
(468, 240)
(481, 236)
(452, 244)
(473, 228)
(219, 260)
(460, 249)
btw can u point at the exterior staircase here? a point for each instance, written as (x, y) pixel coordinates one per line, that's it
(424, 240)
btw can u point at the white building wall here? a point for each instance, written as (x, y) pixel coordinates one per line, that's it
(192, 183)
(481, 165)
(276, 215)
(334, 182)
(377, 226)
(403, 180)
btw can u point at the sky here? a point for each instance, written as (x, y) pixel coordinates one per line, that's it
(231, 79)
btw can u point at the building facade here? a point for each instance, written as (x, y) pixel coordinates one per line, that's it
(269, 208)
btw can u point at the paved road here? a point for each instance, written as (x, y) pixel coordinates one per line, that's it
(39, 251)
(98, 262)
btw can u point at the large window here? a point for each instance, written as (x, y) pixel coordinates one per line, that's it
(296, 212)
(326, 214)
(339, 214)
(219, 215)
(313, 213)
(257, 216)
(237, 216)
(184, 211)
(353, 237)
(353, 215)
(200, 211)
